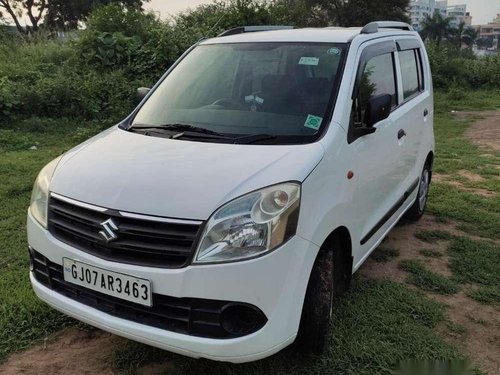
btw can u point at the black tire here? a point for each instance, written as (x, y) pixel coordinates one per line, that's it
(317, 310)
(416, 211)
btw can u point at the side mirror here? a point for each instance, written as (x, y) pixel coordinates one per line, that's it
(141, 93)
(377, 109)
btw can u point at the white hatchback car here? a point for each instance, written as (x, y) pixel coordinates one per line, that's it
(221, 218)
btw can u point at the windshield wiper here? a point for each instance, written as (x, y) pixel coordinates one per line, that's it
(179, 127)
(185, 129)
(253, 138)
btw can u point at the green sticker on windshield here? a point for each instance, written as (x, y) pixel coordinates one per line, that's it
(313, 122)
(333, 51)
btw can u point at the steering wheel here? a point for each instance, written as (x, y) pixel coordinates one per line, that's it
(228, 103)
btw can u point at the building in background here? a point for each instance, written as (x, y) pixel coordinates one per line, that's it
(489, 34)
(418, 9)
(458, 13)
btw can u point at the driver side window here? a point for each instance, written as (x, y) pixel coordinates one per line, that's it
(378, 77)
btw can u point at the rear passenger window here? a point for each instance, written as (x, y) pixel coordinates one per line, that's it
(378, 78)
(411, 74)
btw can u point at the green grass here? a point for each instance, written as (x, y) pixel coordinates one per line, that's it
(376, 325)
(428, 280)
(430, 253)
(488, 295)
(473, 261)
(478, 215)
(477, 262)
(384, 254)
(24, 320)
(10, 140)
(455, 328)
(474, 214)
(454, 367)
(471, 101)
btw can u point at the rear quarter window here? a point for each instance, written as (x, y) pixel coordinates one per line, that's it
(411, 72)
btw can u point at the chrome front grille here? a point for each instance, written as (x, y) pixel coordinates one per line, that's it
(141, 240)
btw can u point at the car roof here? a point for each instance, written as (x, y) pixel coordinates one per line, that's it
(310, 35)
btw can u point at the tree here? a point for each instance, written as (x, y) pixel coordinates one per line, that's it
(66, 14)
(55, 14)
(14, 9)
(211, 19)
(361, 12)
(462, 34)
(343, 12)
(435, 28)
(456, 35)
(470, 36)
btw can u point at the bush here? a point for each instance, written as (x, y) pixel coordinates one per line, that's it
(453, 68)
(49, 79)
(8, 99)
(484, 71)
(456, 92)
(140, 44)
(70, 93)
(123, 38)
(131, 22)
(10, 140)
(8, 37)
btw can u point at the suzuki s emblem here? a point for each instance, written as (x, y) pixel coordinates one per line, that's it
(108, 231)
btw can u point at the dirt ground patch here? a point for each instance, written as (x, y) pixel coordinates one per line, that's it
(471, 176)
(70, 352)
(473, 327)
(484, 131)
(457, 184)
(480, 337)
(402, 239)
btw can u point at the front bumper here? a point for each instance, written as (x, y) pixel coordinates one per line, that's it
(275, 283)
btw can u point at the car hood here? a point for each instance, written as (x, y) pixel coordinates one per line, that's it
(131, 172)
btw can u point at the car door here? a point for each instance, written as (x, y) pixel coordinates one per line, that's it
(414, 110)
(378, 175)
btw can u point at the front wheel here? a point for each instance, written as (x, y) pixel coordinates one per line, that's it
(318, 306)
(416, 211)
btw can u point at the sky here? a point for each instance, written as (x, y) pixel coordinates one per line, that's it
(482, 11)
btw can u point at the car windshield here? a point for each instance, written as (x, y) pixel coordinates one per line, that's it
(248, 89)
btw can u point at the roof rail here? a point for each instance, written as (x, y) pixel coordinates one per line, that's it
(374, 27)
(252, 29)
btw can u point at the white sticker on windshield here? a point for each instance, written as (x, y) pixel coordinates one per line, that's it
(309, 61)
(313, 122)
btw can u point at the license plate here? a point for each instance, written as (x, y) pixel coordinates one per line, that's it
(129, 288)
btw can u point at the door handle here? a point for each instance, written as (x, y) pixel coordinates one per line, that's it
(426, 112)
(401, 133)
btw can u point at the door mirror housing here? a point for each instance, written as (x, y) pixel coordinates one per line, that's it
(141, 93)
(378, 108)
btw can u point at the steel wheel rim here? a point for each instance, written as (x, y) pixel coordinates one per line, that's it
(331, 303)
(424, 189)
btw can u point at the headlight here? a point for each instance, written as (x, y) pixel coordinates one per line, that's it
(40, 194)
(251, 225)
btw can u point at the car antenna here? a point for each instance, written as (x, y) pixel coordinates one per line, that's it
(213, 27)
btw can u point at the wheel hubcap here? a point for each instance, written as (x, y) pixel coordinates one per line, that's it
(424, 189)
